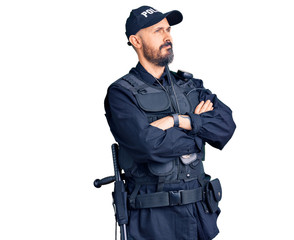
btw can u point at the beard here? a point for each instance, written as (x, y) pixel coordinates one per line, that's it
(156, 57)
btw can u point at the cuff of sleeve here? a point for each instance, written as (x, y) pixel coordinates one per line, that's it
(196, 122)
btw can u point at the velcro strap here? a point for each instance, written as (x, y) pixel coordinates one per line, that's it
(171, 198)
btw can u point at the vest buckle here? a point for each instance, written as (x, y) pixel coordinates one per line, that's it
(175, 198)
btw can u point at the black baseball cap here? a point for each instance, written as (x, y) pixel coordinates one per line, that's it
(146, 16)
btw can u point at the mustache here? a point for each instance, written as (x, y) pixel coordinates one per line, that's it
(165, 45)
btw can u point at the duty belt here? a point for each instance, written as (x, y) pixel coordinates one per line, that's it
(164, 199)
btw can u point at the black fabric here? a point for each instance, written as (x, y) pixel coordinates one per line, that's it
(164, 199)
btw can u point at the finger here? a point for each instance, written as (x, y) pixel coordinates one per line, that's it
(209, 107)
(205, 106)
(198, 108)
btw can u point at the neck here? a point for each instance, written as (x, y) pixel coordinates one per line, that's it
(154, 70)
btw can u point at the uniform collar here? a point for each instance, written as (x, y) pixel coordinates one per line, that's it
(147, 77)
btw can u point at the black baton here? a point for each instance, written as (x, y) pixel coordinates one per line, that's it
(119, 195)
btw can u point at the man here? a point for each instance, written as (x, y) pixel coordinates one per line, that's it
(162, 121)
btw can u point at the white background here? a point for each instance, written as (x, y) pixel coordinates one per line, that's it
(57, 59)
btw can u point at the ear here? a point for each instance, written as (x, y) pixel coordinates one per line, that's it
(135, 40)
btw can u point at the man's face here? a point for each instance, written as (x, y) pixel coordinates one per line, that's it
(157, 43)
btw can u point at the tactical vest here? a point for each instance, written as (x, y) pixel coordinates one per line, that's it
(157, 103)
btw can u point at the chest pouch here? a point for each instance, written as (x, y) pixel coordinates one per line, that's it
(182, 100)
(153, 101)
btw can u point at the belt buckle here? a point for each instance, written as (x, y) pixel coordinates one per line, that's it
(175, 198)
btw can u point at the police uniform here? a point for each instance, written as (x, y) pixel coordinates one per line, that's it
(151, 157)
(169, 195)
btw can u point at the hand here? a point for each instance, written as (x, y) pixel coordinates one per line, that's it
(163, 123)
(204, 107)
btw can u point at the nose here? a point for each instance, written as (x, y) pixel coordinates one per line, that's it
(167, 37)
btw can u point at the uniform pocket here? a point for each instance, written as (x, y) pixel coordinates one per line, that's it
(208, 210)
(162, 169)
(207, 227)
(213, 194)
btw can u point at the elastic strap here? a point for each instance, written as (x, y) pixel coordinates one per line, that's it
(137, 85)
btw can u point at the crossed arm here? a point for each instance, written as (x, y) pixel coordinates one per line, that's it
(131, 129)
(185, 123)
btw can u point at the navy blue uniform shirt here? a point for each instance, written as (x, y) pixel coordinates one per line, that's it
(131, 129)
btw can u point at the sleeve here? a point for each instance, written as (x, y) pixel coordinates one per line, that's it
(131, 129)
(215, 127)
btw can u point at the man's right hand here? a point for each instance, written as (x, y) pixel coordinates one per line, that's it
(204, 107)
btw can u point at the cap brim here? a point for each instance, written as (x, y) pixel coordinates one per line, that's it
(174, 17)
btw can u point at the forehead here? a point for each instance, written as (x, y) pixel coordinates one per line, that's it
(147, 32)
(162, 24)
